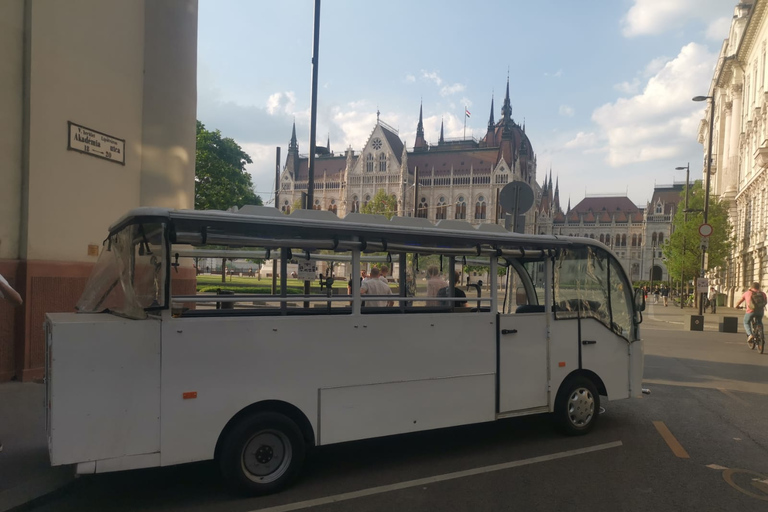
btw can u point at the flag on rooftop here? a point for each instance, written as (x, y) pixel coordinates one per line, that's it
(466, 112)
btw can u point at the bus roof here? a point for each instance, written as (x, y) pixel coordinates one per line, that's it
(267, 222)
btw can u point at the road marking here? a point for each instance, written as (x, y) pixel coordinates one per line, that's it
(737, 398)
(716, 466)
(744, 387)
(434, 479)
(757, 483)
(673, 443)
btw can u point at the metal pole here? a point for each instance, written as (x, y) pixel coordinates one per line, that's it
(706, 193)
(313, 111)
(277, 205)
(685, 221)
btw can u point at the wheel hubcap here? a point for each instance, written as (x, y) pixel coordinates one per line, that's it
(266, 456)
(581, 407)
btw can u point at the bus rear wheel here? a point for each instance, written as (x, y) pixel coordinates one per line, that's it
(577, 406)
(262, 454)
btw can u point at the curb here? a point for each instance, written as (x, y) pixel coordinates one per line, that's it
(25, 495)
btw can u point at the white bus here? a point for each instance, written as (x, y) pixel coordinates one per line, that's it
(141, 376)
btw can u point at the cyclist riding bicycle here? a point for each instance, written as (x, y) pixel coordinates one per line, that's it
(755, 303)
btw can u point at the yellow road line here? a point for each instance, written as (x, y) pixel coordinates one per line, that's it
(673, 443)
(737, 398)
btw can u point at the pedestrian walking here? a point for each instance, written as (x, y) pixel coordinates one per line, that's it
(665, 295)
(712, 298)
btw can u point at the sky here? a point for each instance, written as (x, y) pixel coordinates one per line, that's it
(604, 88)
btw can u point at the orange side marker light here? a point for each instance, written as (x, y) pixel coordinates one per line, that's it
(189, 394)
(561, 364)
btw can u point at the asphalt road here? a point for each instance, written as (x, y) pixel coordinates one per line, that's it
(698, 442)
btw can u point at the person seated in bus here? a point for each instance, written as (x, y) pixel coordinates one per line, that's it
(375, 286)
(434, 283)
(384, 273)
(457, 292)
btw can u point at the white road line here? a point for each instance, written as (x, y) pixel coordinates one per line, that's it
(434, 479)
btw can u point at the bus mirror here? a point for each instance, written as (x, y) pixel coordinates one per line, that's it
(639, 299)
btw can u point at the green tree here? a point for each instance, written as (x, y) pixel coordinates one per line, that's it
(221, 180)
(381, 204)
(683, 249)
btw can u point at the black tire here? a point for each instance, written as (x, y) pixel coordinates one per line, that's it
(577, 406)
(760, 337)
(262, 453)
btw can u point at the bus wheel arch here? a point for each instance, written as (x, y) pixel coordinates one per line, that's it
(277, 406)
(577, 404)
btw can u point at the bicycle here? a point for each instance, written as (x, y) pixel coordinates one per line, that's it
(758, 337)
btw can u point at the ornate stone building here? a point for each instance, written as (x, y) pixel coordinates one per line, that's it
(740, 146)
(458, 178)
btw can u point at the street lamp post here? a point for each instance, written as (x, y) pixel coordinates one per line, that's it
(685, 220)
(707, 180)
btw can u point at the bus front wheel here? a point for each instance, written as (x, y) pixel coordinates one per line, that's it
(262, 454)
(577, 406)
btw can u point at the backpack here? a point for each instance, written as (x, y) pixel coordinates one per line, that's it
(757, 301)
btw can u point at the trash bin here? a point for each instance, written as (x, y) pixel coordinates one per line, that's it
(225, 305)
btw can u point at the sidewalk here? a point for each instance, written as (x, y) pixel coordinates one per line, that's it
(681, 317)
(25, 471)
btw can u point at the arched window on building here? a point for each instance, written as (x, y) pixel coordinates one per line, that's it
(355, 205)
(317, 205)
(608, 240)
(382, 163)
(653, 239)
(461, 208)
(602, 238)
(639, 240)
(286, 208)
(480, 208)
(369, 163)
(421, 211)
(333, 208)
(634, 240)
(442, 209)
(658, 207)
(367, 200)
(623, 240)
(661, 239)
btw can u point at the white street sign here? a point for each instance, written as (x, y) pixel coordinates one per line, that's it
(702, 285)
(307, 270)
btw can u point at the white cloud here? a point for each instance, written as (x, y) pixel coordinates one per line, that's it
(281, 102)
(566, 111)
(582, 140)
(410, 78)
(628, 87)
(452, 89)
(649, 17)
(556, 74)
(433, 76)
(719, 28)
(661, 119)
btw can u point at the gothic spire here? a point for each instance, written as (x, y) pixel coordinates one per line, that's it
(490, 120)
(441, 133)
(506, 115)
(420, 140)
(294, 145)
(328, 144)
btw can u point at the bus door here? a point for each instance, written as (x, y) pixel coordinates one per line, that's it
(590, 287)
(522, 338)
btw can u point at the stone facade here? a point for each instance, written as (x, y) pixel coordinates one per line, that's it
(740, 146)
(458, 179)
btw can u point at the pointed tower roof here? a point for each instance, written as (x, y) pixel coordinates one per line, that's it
(294, 145)
(491, 122)
(328, 144)
(421, 142)
(569, 205)
(442, 139)
(557, 195)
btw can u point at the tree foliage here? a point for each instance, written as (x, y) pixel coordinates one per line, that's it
(381, 204)
(683, 249)
(221, 180)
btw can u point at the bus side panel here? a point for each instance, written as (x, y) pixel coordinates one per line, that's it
(637, 362)
(233, 362)
(608, 357)
(564, 350)
(375, 410)
(104, 387)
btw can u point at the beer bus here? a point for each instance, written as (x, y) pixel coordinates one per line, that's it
(144, 376)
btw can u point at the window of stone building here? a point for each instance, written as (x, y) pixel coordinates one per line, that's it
(369, 163)
(367, 200)
(658, 207)
(286, 208)
(317, 205)
(653, 239)
(382, 163)
(461, 208)
(634, 240)
(480, 208)
(355, 205)
(442, 209)
(661, 239)
(423, 208)
(333, 208)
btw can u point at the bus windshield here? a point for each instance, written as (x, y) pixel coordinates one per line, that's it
(129, 276)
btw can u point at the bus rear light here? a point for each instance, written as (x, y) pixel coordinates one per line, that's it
(189, 394)
(561, 364)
